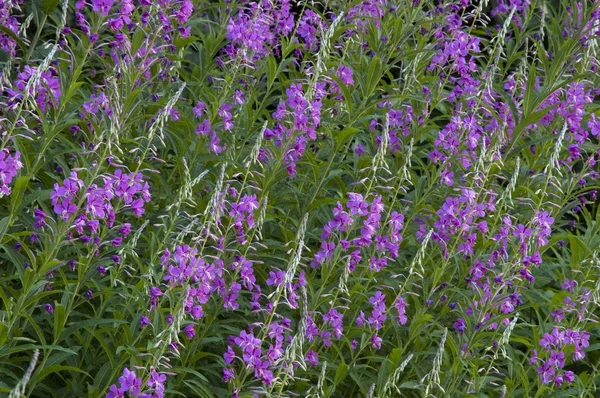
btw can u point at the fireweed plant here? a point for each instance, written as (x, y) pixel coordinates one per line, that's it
(287, 198)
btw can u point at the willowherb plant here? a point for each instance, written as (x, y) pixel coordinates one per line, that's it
(294, 198)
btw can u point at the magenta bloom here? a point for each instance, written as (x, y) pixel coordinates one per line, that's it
(144, 321)
(376, 342)
(40, 218)
(276, 278)
(460, 325)
(229, 355)
(157, 380)
(228, 374)
(312, 358)
(189, 331)
(9, 165)
(130, 383)
(345, 75)
(115, 392)
(102, 6)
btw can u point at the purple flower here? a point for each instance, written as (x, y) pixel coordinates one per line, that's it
(534, 357)
(569, 376)
(49, 309)
(125, 229)
(102, 6)
(229, 355)
(356, 204)
(238, 97)
(198, 110)
(228, 374)
(334, 319)
(400, 305)
(359, 149)
(40, 218)
(144, 321)
(345, 75)
(569, 285)
(276, 278)
(448, 177)
(157, 380)
(378, 316)
(376, 342)
(115, 392)
(197, 312)
(460, 325)
(189, 331)
(546, 373)
(130, 383)
(312, 358)
(262, 372)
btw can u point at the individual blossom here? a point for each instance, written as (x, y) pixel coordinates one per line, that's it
(345, 75)
(49, 308)
(156, 381)
(189, 331)
(376, 342)
(460, 325)
(312, 358)
(144, 321)
(228, 374)
(40, 218)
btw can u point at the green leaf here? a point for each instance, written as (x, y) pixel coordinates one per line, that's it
(16, 197)
(3, 333)
(49, 5)
(4, 224)
(410, 385)
(529, 92)
(340, 374)
(345, 135)
(39, 195)
(272, 70)
(31, 347)
(199, 389)
(374, 74)
(185, 41)
(102, 376)
(59, 320)
(47, 371)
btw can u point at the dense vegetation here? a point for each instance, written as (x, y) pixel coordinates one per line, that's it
(277, 198)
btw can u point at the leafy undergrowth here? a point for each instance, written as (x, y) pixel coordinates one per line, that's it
(328, 199)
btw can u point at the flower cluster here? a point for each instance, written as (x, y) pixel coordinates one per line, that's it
(298, 118)
(9, 167)
(256, 29)
(252, 353)
(552, 358)
(10, 22)
(131, 386)
(129, 189)
(42, 85)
